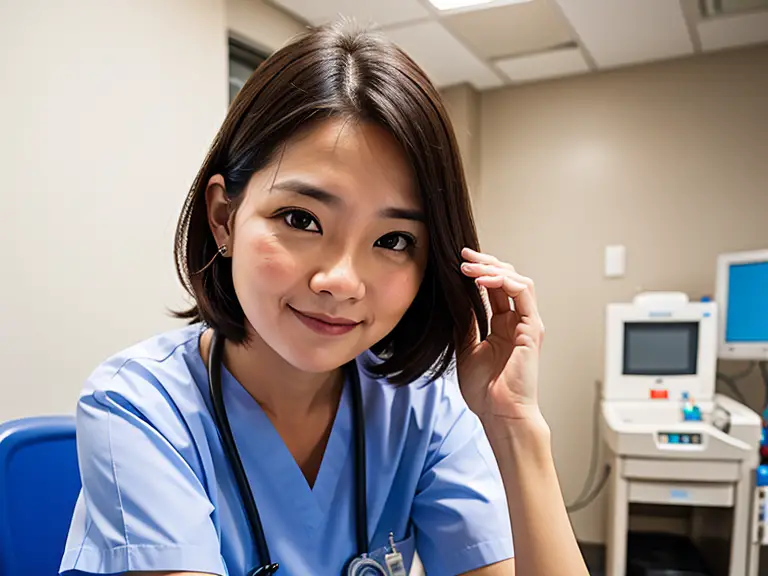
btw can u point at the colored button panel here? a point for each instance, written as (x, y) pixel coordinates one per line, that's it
(679, 438)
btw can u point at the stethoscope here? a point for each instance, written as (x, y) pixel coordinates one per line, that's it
(361, 565)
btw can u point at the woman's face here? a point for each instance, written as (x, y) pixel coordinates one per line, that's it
(329, 245)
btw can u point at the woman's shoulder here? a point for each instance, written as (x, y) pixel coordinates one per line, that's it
(168, 363)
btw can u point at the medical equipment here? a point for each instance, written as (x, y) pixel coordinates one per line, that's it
(742, 297)
(759, 527)
(662, 554)
(359, 566)
(672, 440)
(759, 517)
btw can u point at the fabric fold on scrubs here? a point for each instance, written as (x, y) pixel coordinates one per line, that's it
(123, 452)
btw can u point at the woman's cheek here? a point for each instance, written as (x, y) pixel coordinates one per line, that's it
(268, 262)
(398, 290)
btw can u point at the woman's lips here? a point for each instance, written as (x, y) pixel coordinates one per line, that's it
(325, 325)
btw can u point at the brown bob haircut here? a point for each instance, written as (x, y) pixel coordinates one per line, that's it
(340, 71)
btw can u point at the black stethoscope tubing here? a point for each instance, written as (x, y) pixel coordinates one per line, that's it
(233, 456)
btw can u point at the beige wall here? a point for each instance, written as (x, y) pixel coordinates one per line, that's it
(106, 112)
(260, 25)
(667, 159)
(463, 104)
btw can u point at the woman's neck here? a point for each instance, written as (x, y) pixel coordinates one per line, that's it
(284, 392)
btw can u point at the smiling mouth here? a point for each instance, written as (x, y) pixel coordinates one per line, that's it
(325, 325)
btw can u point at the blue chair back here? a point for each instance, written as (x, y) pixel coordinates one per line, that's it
(39, 485)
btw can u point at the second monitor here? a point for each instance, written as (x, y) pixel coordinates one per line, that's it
(742, 301)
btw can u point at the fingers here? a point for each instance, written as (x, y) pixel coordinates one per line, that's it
(517, 281)
(527, 335)
(481, 258)
(525, 305)
(477, 270)
(535, 332)
(497, 297)
(502, 283)
(489, 260)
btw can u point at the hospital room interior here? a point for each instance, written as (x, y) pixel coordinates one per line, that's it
(614, 151)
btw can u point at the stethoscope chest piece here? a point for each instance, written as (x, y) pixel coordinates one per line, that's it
(365, 566)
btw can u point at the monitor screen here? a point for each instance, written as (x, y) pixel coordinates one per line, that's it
(747, 319)
(661, 348)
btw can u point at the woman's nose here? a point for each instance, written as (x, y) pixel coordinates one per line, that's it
(340, 280)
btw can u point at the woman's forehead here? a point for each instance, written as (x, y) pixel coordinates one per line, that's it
(349, 156)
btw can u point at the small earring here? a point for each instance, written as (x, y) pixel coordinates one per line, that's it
(222, 251)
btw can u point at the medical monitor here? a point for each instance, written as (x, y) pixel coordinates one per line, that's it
(660, 346)
(742, 298)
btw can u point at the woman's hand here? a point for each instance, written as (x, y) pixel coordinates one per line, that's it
(499, 381)
(499, 377)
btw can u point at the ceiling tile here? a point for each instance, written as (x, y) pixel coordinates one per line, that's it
(511, 30)
(619, 32)
(366, 12)
(442, 56)
(731, 31)
(551, 64)
(734, 6)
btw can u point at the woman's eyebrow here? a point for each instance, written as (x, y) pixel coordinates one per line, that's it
(304, 189)
(403, 214)
(333, 201)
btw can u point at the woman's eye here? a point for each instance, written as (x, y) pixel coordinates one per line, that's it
(397, 242)
(301, 221)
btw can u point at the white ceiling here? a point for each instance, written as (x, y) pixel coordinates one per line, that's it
(621, 32)
(449, 62)
(541, 65)
(515, 41)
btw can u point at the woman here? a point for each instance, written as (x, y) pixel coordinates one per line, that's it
(329, 248)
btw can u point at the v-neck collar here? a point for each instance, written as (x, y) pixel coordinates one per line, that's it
(270, 466)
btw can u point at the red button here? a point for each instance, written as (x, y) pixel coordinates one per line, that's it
(659, 394)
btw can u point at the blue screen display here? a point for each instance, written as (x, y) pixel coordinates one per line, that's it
(747, 303)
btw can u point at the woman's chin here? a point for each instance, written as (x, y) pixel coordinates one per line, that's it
(318, 360)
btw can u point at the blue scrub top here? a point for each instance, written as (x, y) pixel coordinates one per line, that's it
(158, 493)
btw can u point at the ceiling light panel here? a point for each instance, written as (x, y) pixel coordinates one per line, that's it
(452, 6)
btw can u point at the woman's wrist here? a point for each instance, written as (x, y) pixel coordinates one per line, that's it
(528, 426)
(516, 439)
(522, 447)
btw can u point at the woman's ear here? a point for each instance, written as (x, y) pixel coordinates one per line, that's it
(219, 211)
